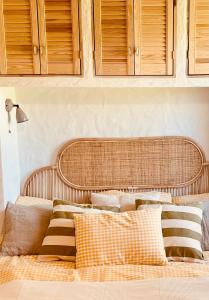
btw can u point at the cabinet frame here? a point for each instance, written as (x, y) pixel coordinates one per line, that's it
(37, 39)
(171, 44)
(191, 43)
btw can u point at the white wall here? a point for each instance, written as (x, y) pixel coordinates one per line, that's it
(59, 114)
(9, 156)
(89, 80)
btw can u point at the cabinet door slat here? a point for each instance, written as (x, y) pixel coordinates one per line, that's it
(59, 37)
(114, 37)
(19, 41)
(154, 35)
(199, 37)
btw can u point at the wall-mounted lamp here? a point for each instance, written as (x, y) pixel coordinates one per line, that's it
(20, 115)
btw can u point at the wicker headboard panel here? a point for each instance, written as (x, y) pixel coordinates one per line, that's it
(175, 164)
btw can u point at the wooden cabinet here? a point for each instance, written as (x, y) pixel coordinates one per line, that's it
(114, 37)
(39, 37)
(18, 37)
(199, 37)
(134, 37)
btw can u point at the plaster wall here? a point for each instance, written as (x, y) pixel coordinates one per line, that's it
(9, 156)
(57, 115)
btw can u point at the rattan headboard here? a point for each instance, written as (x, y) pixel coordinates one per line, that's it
(174, 164)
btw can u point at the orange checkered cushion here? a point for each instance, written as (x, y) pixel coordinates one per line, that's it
(128, 238)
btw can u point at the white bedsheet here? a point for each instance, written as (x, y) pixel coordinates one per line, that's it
(162, 289)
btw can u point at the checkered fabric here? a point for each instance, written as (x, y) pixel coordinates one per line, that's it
(127, 238)
(59, 241)
(27, 268)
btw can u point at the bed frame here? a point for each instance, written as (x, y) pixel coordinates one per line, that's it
(170, 164)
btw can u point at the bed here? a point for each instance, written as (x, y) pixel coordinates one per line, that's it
(169, 164)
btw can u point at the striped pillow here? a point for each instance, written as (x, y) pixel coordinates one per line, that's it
(59, 241)
(181, 226)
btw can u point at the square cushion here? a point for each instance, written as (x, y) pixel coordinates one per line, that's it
(127, 238)
(187, 199)
(25, 228)
(126, 201)
(181, 227)
(34, 201)
(192, 200)
(59, 241)
(108, 198)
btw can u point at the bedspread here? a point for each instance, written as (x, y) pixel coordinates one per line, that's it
(158, 289)
(28, 268)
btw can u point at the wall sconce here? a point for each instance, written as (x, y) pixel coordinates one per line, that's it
(20, 115)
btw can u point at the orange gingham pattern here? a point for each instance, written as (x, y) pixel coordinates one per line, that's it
(128, 238)
(27, 268)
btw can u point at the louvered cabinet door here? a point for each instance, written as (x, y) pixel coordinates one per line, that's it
(114, 37)
(154, 35)
(19, 37)
(199, 37)
(59, 36)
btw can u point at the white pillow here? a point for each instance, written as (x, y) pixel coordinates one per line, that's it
(186, 199)
(126, 201)
(28, 201)
(109, 198)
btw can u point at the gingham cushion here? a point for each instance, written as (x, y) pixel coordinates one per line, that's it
(59, 241)
(128, 238)
(181, 226)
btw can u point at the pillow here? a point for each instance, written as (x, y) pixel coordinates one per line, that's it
(127, 201)
(59, 241)
(190, 198)
(25, 227)
(28, 201)
(181, 226)
(205, 226)
(109, 198)
(127, 238)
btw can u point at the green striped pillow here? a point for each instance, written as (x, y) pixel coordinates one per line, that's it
(182, 232)
(59, 241)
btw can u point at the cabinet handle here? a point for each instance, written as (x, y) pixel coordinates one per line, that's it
(42, 50)
(35, 50)
(130, 51)
(137, 51)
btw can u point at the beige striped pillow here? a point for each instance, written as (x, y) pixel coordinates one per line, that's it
(182, 232)
(59, 241)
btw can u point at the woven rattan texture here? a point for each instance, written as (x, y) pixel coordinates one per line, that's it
(174, 165)
(122, 163)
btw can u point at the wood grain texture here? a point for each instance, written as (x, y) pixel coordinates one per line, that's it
(114, 42)
(154, 34)
(59, 36)
(3, 58)
(19, 25)
(134, 37)
(199, 37)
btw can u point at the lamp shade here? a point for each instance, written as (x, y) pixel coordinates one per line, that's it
(20, 115)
